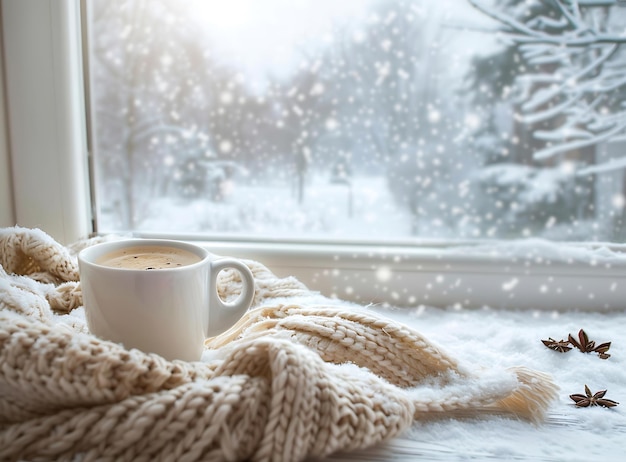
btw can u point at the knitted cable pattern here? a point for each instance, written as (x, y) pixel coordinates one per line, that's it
(297, 376)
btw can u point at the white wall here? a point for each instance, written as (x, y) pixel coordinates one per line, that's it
(7, 213)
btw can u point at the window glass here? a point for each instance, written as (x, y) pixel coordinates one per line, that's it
(360, 119)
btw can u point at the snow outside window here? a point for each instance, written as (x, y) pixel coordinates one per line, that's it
(395, 122)
(457, 119)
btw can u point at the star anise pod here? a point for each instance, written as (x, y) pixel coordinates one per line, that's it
(583, 344)
(595, 399)
(602, 350)
(557, 345)
(589, 346)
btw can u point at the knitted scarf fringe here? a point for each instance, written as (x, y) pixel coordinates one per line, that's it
(298, 376)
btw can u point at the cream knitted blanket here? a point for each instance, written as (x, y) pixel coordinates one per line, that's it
(299, 376)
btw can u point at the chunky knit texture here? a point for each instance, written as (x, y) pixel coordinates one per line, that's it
(298, 376)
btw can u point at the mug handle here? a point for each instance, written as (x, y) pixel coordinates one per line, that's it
(223, 315)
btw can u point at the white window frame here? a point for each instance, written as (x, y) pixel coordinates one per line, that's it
(7, 213)
(45, 112)
(49, 189)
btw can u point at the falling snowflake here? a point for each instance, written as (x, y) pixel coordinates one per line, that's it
(332, 124)
(383, 274)
(226, 146)
(226, 97)
(618, 201)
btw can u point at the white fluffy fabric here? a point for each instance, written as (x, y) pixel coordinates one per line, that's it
(502, 339)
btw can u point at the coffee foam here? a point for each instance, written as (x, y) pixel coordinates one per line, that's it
(148, 258)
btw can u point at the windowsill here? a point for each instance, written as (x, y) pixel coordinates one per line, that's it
(531, 274)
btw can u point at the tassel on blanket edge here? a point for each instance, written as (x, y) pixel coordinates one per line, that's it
(520, 393)
(532, 398)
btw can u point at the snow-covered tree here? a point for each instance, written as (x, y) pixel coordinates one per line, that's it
(571, 74)
(393, 106)
(146, 105)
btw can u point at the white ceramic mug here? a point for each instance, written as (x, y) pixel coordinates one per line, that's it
(168, 311)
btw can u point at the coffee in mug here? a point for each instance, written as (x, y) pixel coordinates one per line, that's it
(148, 258)
(159, 296)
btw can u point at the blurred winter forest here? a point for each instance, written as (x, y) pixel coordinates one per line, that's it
(379, 119)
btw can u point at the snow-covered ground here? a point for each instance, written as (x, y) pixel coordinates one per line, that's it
(364, 210)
